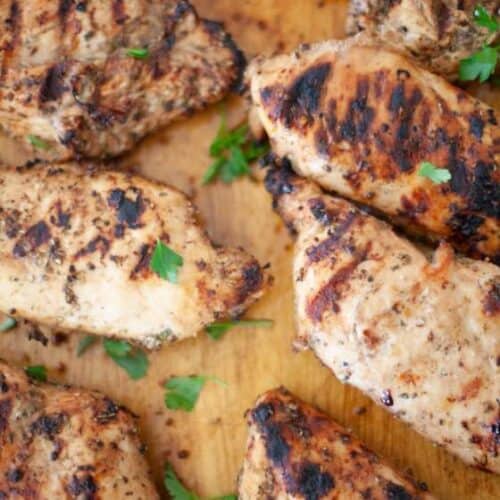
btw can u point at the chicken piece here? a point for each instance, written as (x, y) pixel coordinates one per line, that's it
(360, 120)
(75, 250)
(63, 442)
(68, 79)
(420, 337)
(438, 33)
(296, 452)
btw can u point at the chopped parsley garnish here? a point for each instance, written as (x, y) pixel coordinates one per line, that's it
(183, 392)
(435, 174)
(7, 324)
(84, 344)
(38, 143)
(178, 491)
(232, 151)
(131, 359)
(219, 328)
(482, 64)
(138, 53)
(165, 262)
(37, 372)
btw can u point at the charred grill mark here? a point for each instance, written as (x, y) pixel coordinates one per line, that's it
(330, 293)
(142, 266)
(108, 413)
(417, 205)
(312, 483)
(5, 409)
(34, 237)
(61, 219)
(325, 248)
(119, 14)
(491, 306)
(302, 99)
(48, 425)
(82, 487)
(279, 179)
(320, 212)
(359, 115)
(252, 278)
(395, 491)
(98, 243)
(64, 11)
(52, 87)
(476, 125)
(129, 210)
(13, 25)
(11, 224)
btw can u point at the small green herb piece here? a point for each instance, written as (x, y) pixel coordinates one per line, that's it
(480, 65)
(435, 174)
(131, 359)
(165, 262)
(37, 372)
(178, 491)
(138, 53)
(484, 19)
(232, 151)
(84, 344)
(218, 329)
(183, 392)
(7, 324)
(38, 143)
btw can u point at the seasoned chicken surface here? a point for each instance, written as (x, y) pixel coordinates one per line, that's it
(438, 33)
(420, 337)
(295, 452)
(68, 77)
(75, 251)
(62, 442)
(359, 120)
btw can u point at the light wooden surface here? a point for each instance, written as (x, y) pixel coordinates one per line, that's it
(206, 447)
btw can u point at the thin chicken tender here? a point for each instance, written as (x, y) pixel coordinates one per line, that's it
(92, 78)
(438, 33)
(296, 452)
(75, 250)
(360, 120)
(63, 442)
(420, 338)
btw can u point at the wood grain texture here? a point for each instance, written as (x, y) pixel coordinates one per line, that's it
(250, 361)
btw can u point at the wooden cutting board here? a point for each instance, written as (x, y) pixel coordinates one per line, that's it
(206, 446)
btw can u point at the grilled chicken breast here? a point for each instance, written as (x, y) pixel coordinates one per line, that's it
(296, 452)
(359, 120)
(420, 337)
(69, 84)
(62, 442)
(438, 33)
(75, 250)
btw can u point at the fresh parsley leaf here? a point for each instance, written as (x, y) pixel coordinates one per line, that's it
(131, 359)
(484, 19)
(138, 53)
(219, 328)
(37, 372)
(84, 344)
(178, 491)
(232, 151)
(480, 65)
(165, 262)
(38, 143)
(183, 392)
(436, 175)
(7, 324)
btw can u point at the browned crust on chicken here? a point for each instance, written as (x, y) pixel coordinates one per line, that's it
(418, 336)
(438, 33)
(359, 120)
(66, 77)
(62, 442)
(294, 451)
(75, 250)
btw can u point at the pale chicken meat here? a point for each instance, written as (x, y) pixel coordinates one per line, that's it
(296, 452)
(76, 249)
(418, 334)
(360, 120)
(438, 33)
(91, 78)
(63, 442)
